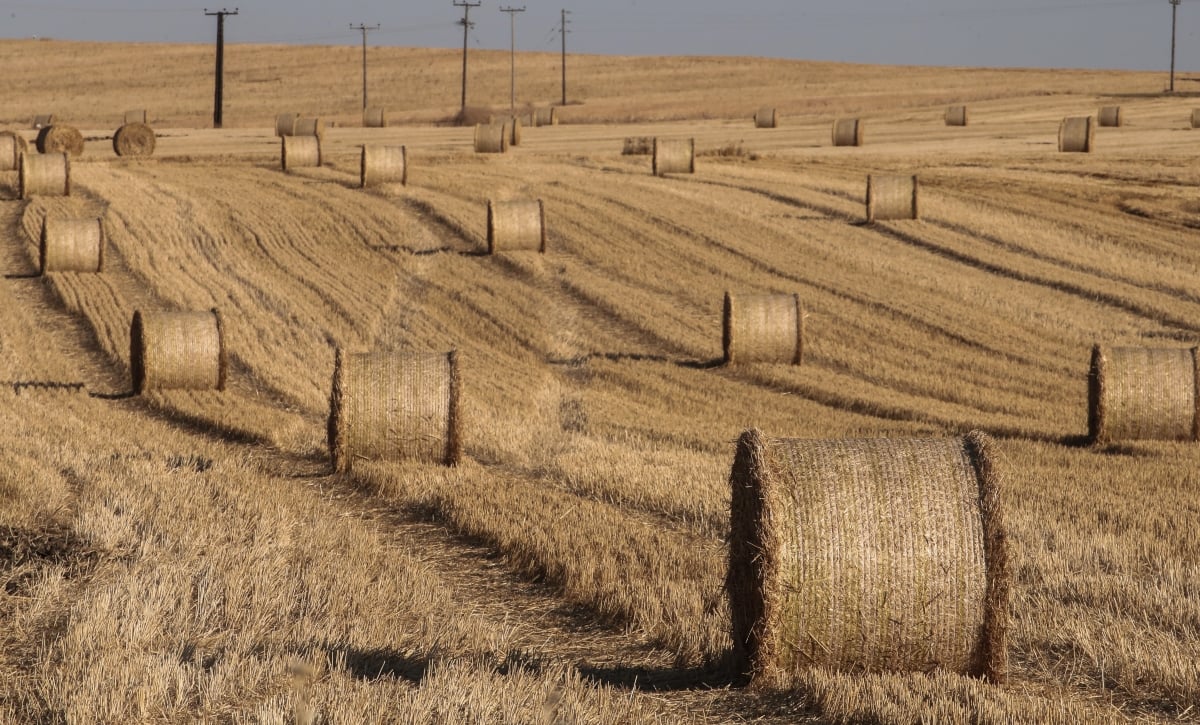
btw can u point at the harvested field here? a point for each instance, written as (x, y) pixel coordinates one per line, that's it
(191, 555)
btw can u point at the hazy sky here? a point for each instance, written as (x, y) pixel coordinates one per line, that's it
(1130, 34)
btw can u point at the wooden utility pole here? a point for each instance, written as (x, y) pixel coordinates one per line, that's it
(218, 102)
(466, 23)
(1174, 10)
(563, 30)
(512, 54)
(364, 28)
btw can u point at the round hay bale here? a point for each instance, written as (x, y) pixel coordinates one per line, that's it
(674, 156)
(12, 145)
(891, 196)
(763, 328)
(40, 121)
(514, 226)
(514, 131)
(309, 127)
(374, 118)
(383, 165)
(300, 151)
(1196, 118)
(71, 245)
(177, 350)
(134, 139)
(285, 124)
(44, 175)
(848, 132)
(491, 139)
(766, 118)
(545, 117)
(1141, 393)
(638, 146)
(136, 116)
(395, 406)
(60, 138)
(1110, 116)
(1076, 134)
(867, 556)
(956, 116)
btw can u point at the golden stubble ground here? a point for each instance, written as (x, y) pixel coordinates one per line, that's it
(190, 556)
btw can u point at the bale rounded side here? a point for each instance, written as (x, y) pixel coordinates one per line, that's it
(44, 175)
(300, 152)
(892, 196)
(848, 132)
(1110, 116)
(514, 131)
(138, 116)
(285, 124)
(1076, 134)
(1196, 118)
(309, 127)
(956, 116)
(177, 350)
(515, 226)
(12, 145)
(71, 245)
(762, 329)
(491, 139)
(60, 138)
(383, 165)
(673, 156)
(134, 139)
(766, 118)
(1140, 393)
(375, 118)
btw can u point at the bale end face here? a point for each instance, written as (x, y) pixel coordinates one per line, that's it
(134, 139)
(60, 138)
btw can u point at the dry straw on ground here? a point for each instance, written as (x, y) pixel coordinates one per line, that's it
(285, 124)
(71, 245)
(139, 116)
(134, 139)
(43, 120)
(299, 152)
(763, 328)
(1077, 134)
(848, 132)
(374, 118)
(383, 165)
(892, 196)
(956, 116)
(491, 139)
(309, 127)
(674, 156)
(638, 146)
(44, 175)
(395, 406)
(766, 118)
(177, 350)
(60, 138)
(1111, 116)
(12, 145)
(518, 225)
(1139, 393)
(867, 555)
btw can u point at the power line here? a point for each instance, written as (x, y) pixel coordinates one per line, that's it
(218, 101)
(364, 28)
(467, 25)
(563, 29)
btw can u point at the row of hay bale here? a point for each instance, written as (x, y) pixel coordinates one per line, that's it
(958, 116)
(130, 139)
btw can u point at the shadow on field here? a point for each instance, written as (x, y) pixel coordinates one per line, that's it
(638, 357)
(374, 664)
(709, 677)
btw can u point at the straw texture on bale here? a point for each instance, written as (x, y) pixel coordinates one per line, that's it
(374, 118)
(892, 196)
(491, 139)
(308, 127)
(71, 245)
(44, 175)
(674, 156)
(136, 116)
(1140, 393)
(638, 146)
(395, 406)
(545, 116)
(300, 151)
(60, 138)
(766, 118)
(134, 139)
(848, 132)
(1196, 118)
(42, 120)
(12, 145)
(514, 131)
(514, 226)
(383, 165)
(956, 116)
(177, 350)
(1110, 116)
(285, 124)
(1076, 134)
(763, 328)
(867, 556)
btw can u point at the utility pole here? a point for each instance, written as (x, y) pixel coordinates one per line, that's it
(364, 28)
(1174, 9)
(563, 30)
(220, 73)
(512, 54)
(466, 5)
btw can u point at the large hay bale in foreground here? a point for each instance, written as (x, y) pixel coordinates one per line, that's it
(395, 406)
(1110, 116)
(1141, 393)
(134, 139)
(491, 139)
(177, 350)
(763, 328)
(44, 175)
(766, 118)
(867, 556)
(891, 196)
(956, 116)
(12, 145)
(1076, 134)
(43, 120)
(638, 146)
(518, 225)
(138, 116)
(309, 127)
(383, 165)
(299, 152)
(71, 245)
(848, 132)
(60, 138)
(674, 156)
(285, 124)
(374, 118)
